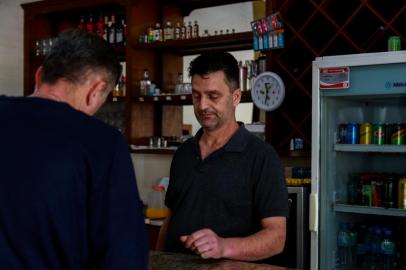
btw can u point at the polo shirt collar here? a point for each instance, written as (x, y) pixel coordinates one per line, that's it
(236, 143)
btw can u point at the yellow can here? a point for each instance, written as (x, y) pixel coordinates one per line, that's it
(365, 134)
(402, 193)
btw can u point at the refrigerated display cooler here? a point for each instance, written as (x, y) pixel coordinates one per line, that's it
(354, 91)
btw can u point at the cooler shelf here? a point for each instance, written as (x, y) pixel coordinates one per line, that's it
(370, 148)
(358, 209)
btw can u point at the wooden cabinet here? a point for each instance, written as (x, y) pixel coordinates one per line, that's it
(145, 116)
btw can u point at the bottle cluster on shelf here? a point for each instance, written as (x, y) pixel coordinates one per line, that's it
(368, 246)
(386, 190)
(170, 32)
(367, 133)
(249, 70)
(43, 46)
(268, 33)
(107, 26)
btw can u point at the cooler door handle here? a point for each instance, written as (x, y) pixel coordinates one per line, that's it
(313, 212)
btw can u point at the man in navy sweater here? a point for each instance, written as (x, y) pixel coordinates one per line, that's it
(68, 195)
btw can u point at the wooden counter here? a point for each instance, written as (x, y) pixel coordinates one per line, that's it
(176, 261)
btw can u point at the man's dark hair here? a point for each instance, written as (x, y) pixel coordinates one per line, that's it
(75, 53)
(216, 61)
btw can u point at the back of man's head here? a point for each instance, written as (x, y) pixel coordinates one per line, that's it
(75, 53)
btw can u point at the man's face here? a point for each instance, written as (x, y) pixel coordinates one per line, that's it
(213, 102)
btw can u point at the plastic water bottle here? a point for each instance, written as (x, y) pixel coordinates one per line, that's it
(344, 247)
(376, 248)
(388, 250)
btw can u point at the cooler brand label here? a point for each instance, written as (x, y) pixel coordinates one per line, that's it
(335, 78)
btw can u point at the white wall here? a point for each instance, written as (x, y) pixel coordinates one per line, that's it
(11, 47)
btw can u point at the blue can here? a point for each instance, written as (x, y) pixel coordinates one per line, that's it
(352, 134)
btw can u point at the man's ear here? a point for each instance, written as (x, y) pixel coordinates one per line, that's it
(96, 92)
(38, 77)
(236, 97)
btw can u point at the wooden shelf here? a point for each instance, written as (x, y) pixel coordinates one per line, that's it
(181, 99)
(230, 42)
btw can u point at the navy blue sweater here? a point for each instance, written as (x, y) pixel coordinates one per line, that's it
(68, 195)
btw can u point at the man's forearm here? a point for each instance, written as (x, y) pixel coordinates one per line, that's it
(263, 244)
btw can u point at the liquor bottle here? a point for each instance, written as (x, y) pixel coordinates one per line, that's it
(100, 26)
(195, 30)
(177, 31)
(81, 25)
(183, 31)
(158, 32)
(168, 31)
(106, 29)
(112, 30)
(124, 32)
(119, 34)
(145, 83)
(150, 35)
(189, 30)
(90, 24)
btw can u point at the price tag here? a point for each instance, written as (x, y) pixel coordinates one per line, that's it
(141, 99)
(168, 98)
(183, 97)
(156, 98)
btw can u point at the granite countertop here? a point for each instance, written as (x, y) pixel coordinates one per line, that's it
(176, 261)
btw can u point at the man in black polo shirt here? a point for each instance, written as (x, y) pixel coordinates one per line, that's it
(227, 197)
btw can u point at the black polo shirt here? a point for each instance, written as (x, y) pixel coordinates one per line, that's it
(229, 192)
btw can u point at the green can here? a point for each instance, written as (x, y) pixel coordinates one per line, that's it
(394, 43)
(398, 134)
(378, 134)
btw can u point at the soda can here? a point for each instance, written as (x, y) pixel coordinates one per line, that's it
(394, 43)
(376, 190)
(378, 134)
(352, 136)
(388, 195)
(398, 134)
(402, 193)
(365, 134)
(342, 133)
(388, 132)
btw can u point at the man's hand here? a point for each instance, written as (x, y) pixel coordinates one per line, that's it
(205, 243)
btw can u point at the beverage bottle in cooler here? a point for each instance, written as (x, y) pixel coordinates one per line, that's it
(376, 258)
(344, 247)
(360, 248)
(388, 251)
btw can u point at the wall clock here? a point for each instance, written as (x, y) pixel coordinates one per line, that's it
(268, 91)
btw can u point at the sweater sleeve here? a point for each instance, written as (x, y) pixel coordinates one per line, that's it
(117, 228)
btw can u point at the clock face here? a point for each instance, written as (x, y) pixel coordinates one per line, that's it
(268, 91)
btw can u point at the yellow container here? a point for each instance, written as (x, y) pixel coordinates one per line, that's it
(402, 193)
(156, 213)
